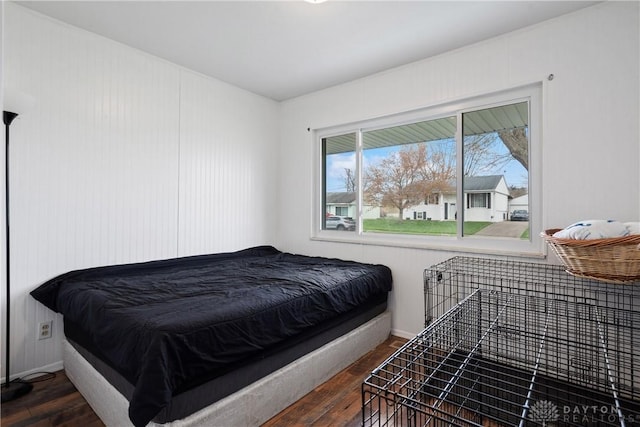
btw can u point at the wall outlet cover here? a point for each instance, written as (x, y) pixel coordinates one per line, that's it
(45, 329)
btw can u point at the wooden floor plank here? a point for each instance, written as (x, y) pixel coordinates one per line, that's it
(338, 401)
(57, 403)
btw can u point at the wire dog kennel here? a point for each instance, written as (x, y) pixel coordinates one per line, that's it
(511, 343)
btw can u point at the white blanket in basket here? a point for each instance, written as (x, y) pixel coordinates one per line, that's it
(598, 229)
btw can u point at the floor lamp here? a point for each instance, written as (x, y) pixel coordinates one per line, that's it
(10, 389)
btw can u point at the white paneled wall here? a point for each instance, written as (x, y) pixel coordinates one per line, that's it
(122, 157)
(227, 160)
(591, 132)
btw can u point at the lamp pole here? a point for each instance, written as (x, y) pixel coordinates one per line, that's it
(10, 390)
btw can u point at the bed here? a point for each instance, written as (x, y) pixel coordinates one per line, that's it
(181, 339)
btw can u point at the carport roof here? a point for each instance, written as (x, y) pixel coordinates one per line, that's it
(477, 122)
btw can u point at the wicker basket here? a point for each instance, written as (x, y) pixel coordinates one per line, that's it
(614, 260)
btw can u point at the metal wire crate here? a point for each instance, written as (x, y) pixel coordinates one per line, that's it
(513, 344)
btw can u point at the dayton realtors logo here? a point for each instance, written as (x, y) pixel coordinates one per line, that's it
(544, 412)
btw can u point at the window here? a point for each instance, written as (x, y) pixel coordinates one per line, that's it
(478, 200)
(462, 168)
(339, 177)
(342, 211)
(496, 155)
(402, 167)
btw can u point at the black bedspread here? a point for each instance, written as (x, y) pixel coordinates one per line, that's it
(163, 324)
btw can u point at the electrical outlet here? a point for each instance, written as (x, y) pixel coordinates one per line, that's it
(45, 329)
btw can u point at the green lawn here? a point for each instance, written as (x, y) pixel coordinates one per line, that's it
(438, 228)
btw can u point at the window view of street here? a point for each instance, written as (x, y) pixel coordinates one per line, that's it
(409, 176)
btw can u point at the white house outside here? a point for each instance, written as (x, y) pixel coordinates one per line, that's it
(344, 204)
(442, 207)
(486, 198)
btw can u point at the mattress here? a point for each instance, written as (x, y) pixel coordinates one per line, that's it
(169, 326)
(251, 406)
(233, 379)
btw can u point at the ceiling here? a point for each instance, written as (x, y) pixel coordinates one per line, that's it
(284, 49)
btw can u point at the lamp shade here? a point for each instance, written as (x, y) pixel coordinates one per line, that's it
(8, 116)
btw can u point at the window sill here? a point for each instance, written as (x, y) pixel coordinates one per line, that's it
(484, 246)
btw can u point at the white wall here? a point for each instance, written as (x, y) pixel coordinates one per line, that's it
(228, 167)
(590, 153)
(123, 157)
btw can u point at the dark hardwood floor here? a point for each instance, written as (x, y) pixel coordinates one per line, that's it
(56, 402)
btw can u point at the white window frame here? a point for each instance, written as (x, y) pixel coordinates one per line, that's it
(534, 247)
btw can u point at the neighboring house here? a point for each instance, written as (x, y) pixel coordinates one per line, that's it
(341, 204)
(439, 206)
(344, 204)
(519, 203)
(486, 198)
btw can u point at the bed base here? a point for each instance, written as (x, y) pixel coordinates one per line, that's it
(250, 406)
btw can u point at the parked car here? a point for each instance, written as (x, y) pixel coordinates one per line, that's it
(520, 215)
(340, 223)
